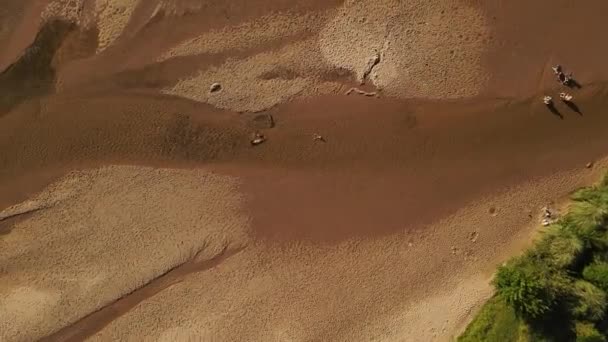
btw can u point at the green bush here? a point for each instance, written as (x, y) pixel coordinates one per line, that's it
(589, 301)
(542, 295)
(588, 221)
(586, 332)
(597, 274)
(604, 182)
(496, 321)
(532, 288)
(558, 248)
(596, 195)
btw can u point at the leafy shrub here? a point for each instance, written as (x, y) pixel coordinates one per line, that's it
(588, 221)
(596, 195)
(589, 301)
(597, 274)
(558, 248)
(496, 321)
(532, 288)
(604, 182)
(540, 293)
(586, 332)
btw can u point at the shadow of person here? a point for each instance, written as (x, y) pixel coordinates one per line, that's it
(554, 110)
(574, 107)
(572, 83)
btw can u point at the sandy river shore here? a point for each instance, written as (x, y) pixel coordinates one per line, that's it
(132, 205)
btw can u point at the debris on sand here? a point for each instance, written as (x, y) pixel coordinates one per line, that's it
(257, 138)
(548, 100)
(473, 236)
(359, 91)
(215, 87)
(589, 165)
(318, 137)
(548, 216)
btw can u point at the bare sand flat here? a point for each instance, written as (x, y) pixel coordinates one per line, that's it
(268, 291)
(387, 230)
(84, 248)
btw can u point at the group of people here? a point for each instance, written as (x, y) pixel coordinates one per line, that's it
(562, 96)
(565, 79)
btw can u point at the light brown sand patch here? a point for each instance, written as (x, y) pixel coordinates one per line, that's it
(113, 16)
(69, 10)
(119, 228)
(176, 8)
(55, 194)
(418, 288)
(29, 304)
(109, 16)
(246, 87)
(250, 34)
(428, 50)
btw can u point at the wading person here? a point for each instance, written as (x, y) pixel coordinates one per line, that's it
(566, 97)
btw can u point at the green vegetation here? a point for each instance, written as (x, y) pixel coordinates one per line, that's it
(557, 290)
(496, 321)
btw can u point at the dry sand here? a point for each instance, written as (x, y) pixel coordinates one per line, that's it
(264, 81)
(389, 230)
(101, 234)
(267, 292)
(426, 49)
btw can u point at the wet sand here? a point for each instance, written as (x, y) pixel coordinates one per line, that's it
(406, 207)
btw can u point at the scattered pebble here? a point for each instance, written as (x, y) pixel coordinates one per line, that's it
(473, 236)
(318, 137)
(215, 87)
(589, 165)
(257, 139)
